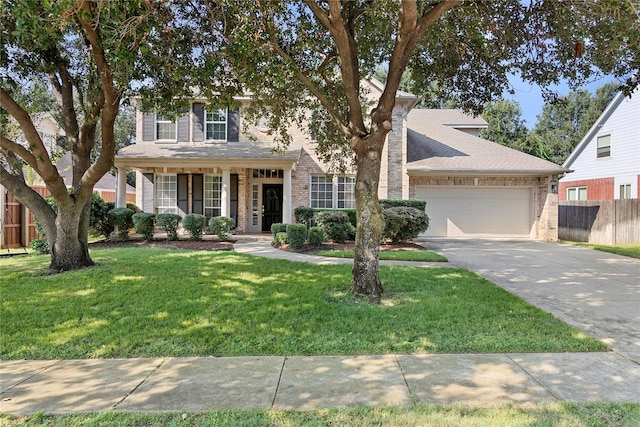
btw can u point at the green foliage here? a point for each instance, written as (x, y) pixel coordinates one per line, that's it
(221, 226)
(336, 225)
(506, 126)
(41, 246)
(99, 220)
(296, 235)
(316, 236)
(194, 224)
(404, 223)
(278, 227)
(304, 215)
(122, 219)
(168, 222)
(391, 203)
(144, 224)
(280, 239)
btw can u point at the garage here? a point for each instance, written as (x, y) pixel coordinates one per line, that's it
(481, 212)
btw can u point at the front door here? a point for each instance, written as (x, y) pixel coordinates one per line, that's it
(271, 205)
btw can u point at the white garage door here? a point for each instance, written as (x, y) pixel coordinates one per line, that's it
(463, 211)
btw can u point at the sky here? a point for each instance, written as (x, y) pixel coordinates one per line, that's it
(530, 96)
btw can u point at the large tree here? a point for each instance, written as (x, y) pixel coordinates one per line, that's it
(85, 52)
(506, 125)
(306, 54)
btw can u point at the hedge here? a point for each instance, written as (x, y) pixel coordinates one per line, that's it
(194, 224)
(168, 222)
(144, 224)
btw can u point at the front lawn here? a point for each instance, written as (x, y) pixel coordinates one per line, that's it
(143, 302)
(632, 251)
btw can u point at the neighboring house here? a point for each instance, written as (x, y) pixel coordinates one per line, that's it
(606, 162)
(204, 163)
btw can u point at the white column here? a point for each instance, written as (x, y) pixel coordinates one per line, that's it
(286, 197)
(225, 193)
(121, 190)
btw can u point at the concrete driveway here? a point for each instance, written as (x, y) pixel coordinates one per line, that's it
(594, 291)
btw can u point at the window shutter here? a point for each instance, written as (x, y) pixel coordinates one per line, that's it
(147, 193)
(148, 125)
(198, 122)
(183, 126)
(233, 125)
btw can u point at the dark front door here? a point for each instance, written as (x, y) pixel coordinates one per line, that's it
(272, 205)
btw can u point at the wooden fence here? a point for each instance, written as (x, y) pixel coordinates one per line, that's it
(607, 222)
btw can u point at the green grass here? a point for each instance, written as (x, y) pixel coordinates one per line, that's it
(424, 256)
(145, 302)
(559, 414)
(632, 251)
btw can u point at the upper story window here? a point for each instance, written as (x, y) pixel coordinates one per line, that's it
(216, 124)
(604, 146)
(165, 128)
(577, 193)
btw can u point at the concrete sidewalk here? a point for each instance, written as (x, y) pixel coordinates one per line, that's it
(298, 382)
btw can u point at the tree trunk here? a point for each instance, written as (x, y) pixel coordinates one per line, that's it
(70, 250)
(366, 278)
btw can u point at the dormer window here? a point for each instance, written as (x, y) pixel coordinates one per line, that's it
(165, 128)
(216, 124)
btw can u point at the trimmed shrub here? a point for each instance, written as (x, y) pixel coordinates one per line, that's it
(133, 207)
(194, 224)
(315, 236)
(99, 218)
(418, 204)
(221, 226)
(403, 223)
(280, 239)
(121, 218)
(336, 225)
(296, 235)
(168, 222)
(144, 224)
(41, 246)
(304, 215)
(278, 227)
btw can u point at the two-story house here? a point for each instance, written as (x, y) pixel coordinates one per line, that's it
(204, 162)
(606, 162)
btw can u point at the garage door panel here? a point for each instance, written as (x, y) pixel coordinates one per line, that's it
(464, 211)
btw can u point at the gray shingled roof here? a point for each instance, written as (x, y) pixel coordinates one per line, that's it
(228, 151)
(435, 146)
(107, 182)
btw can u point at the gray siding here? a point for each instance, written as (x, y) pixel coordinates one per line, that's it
(147, 193)
(183, 127)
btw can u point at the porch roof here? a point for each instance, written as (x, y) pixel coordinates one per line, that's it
(223, 154)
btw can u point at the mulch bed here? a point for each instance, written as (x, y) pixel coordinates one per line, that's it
(194, 245)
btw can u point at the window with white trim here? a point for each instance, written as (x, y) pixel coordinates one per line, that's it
(604, 146)
(321, 192)
(625, 191)
(216, 124)
(346, 192)
(165, 128)
(339, 192)
(212, 195)
(166, 194)
(577, 193)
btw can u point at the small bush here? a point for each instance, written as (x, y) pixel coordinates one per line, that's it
(194, 224)
(315, 236)
(296, 235)
(280, 239)
(144, 224)
(403, 223)
(304, 215)
(99, 218)
(336, 225)
(133, 207)
(390, 203)
(168, 222)
(221, 226)
(41, 246)
(121, 218)
(278, 227)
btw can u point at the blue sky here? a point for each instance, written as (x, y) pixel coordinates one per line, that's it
(530, 96)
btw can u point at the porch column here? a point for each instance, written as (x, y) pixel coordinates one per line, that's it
(286, 197)
(225, 194)
(121, 190)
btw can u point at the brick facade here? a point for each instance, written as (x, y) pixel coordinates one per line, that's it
(597, 189)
